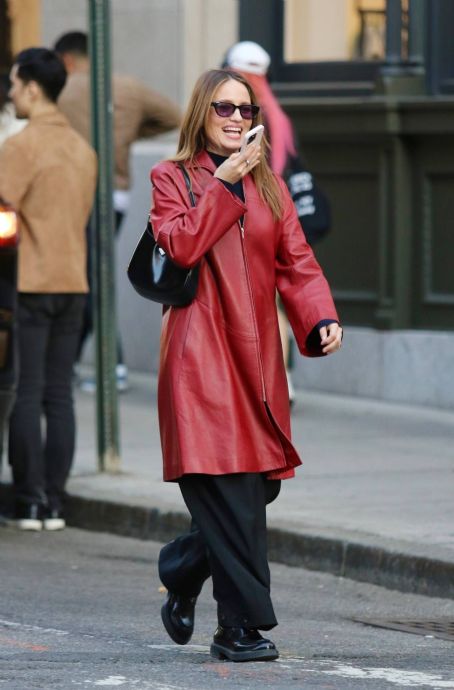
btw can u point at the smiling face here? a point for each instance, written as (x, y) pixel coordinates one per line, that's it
(225, 134)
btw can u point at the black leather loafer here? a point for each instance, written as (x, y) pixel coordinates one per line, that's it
(242, 644)
(177, 614)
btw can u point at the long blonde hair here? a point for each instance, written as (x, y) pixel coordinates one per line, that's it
(193, 138)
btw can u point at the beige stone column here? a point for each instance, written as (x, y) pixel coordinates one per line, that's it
(25, 16)
(208, 28)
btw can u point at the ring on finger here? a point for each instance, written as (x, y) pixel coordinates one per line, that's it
(247, 163)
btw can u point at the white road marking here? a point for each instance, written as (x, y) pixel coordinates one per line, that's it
(400, 677)
(25, 626)
(198, 648)
(116, 681)
(55, 631)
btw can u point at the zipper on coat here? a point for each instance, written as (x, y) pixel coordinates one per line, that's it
(254, 320)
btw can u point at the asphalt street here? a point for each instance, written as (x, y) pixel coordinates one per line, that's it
(81, 610)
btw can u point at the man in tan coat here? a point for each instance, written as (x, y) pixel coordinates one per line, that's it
(139, 112)
(48, 173)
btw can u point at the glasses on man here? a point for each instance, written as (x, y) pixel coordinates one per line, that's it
(247, 110)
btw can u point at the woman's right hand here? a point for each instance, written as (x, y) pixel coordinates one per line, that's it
(236, 166)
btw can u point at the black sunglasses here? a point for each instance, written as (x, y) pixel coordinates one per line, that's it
(247, 110)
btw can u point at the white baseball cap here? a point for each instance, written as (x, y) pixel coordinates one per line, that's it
(248, 57)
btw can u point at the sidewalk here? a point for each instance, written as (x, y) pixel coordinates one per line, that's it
(374, 499)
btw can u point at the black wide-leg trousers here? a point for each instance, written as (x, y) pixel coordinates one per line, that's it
(227, 541)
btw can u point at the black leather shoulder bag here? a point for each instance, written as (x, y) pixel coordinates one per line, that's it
(156, 277)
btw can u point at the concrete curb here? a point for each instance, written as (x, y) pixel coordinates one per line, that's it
(343, 558)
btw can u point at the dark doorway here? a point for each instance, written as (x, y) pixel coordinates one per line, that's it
(5, 38)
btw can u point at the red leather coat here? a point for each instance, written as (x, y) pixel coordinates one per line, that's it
(222, 393)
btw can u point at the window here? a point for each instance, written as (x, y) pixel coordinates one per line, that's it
(323, 30)
(338, 47)
(318, 47)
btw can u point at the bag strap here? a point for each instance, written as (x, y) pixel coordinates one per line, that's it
(188, 182)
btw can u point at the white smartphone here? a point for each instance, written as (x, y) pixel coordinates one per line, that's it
(254, 135)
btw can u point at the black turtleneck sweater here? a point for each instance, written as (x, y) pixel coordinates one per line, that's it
(236, 187)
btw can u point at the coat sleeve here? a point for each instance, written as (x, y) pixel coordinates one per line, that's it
(301, 284)
(183, 232)
(159, 113)
(16, 170)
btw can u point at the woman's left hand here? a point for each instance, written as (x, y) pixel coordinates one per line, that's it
(331, 338)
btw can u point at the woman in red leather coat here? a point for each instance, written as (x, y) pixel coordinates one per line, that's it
(223, 404)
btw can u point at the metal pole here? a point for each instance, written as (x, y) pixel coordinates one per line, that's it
(103, 273)
(416, 34)
(393, 36)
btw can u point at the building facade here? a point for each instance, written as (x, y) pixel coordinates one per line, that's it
(369, 85)
(165, 43)
(374, 119)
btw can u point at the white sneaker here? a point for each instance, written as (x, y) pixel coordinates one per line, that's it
(121, 371)
(53, 519)
(54, 524)
(87, 385)
(27, 517)
(27, 525)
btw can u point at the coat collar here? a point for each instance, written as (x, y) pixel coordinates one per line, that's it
(54, 118)
(202, 160)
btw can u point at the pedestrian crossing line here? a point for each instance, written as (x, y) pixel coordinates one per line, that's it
(31, 628)
(198, 648)
(399, 677)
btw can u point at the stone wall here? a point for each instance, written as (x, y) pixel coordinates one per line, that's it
(415, 367)
(165, 43)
